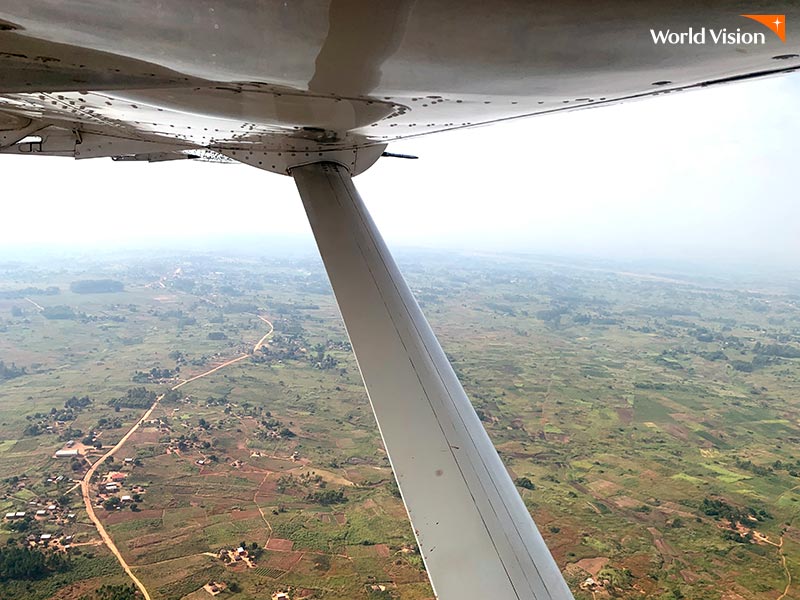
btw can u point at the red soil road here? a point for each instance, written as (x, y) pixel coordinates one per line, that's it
(85, 482)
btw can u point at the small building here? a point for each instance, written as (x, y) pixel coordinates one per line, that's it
(126, 498)
(11, 515)
(52, 507)
(67, 453)
(45, 537)
(128, 460)
(41, 513)
(19, 514)
(214, 587)
(111, 487)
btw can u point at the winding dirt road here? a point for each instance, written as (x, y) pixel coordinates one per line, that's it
(87, 498)
(87, 479)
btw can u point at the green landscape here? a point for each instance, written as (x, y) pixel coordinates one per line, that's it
(208, 408)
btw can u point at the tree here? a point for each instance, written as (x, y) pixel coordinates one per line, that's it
(524, 482)
(115, 592)
(615, 578)
(327, 497)
(111, 503)
(22, 563)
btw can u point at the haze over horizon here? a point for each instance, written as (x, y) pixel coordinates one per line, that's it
(698, 176)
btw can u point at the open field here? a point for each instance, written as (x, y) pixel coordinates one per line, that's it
(654, 414)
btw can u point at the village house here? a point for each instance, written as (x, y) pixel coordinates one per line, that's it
(215, 587)
(67, 453)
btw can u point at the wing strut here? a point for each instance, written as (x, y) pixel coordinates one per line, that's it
(474, 532)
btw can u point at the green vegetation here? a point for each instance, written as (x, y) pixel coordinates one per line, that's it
(96, 286)
(525, 483)
(648, 418)
(134, 398)
(114, 592)
(10, 371)
(20, 563)
(327, 497)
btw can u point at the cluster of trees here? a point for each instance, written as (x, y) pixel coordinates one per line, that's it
(58, 312)
(713, 356)
(184, 442)
(735, 536)
(96, 286)
(39, 422)
(272, 426)
(305, 479)
(10, 371)
(114, 592)
(552, 315)
(253, 549)
(320, 360)
(178, 356)
(758, 362)
(29, 291)
(22, 563)
(615, 579)
(70, 433)
(21, 525)
(719, 509)
(285, 482)
(703, 334)
(216, 401)
(240, 307)
(33, 429)
(792, 469)
(134, 398)
(778, 465)
(284, 347)
(779, 350)
(749, 465)
(106, 423)
(326, 363)
(78, 403)
(765, 355)
(327, 497)
(649, 385)
(154, 374)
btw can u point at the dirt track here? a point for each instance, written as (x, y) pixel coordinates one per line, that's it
(86, 481)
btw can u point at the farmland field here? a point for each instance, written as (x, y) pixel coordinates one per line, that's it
(650, 416)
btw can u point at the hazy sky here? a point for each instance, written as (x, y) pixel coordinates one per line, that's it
(705, 175)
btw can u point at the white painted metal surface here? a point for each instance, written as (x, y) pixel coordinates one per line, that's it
(328, 75)
(475, 534)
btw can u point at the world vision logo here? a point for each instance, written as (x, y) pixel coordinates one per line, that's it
(777, 23)
(706, 35)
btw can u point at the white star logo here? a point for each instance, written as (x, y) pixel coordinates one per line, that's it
(778, 23)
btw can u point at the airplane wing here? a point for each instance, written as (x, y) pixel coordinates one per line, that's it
(316, 90)
(266, 78)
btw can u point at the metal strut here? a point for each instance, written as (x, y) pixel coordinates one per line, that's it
(474, 532)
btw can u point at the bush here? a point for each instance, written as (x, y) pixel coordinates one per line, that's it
(524, 483)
